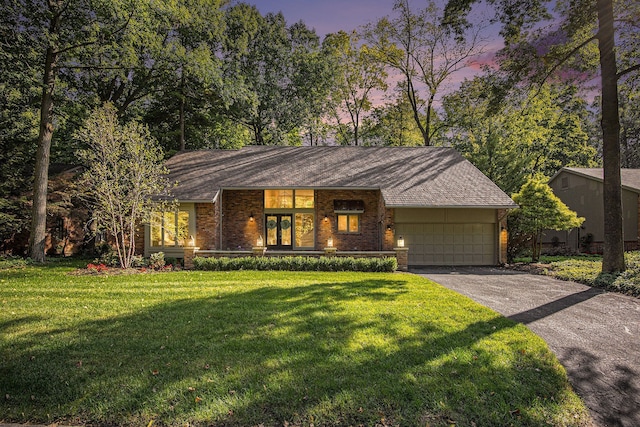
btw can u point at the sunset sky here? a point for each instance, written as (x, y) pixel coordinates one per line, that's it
(328, 16)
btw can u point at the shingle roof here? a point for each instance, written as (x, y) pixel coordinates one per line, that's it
(406, 176)
(630, 177)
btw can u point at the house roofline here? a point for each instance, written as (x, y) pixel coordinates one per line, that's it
(586, 175)
(454, 206)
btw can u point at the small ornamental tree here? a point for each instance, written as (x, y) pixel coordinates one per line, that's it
(124, 170)
(539, 210)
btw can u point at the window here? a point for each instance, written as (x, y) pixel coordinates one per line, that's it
(304, 199)
(169, 229)
(278, 199)
(284, 199)
(304, 230)
(349, 223)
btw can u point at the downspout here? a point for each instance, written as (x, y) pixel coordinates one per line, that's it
(220, 222)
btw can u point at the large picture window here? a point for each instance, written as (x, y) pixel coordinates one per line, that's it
(169, 228)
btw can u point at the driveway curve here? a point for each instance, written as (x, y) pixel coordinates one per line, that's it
(594, 334)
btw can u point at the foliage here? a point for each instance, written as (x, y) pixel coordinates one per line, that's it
(124, 170)
(425, 53)
(534, 131)
(8, 262)
(539, 209)
(358, 74)
(582, 38)
(217, 348)
(392, 124)
(156, 260)
(282, 78)
(588, 270)
(389, 264)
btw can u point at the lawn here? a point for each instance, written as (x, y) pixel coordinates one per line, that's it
(267, 348)
(587, 269)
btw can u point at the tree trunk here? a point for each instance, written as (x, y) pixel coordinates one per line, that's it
(182, 104)
(613, 251)
(39, 213)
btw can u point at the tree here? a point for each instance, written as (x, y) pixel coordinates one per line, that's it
(392, 125)
(56, 29)
(281, 76)
(532, 132)
(124, 170)
(357, 75)
(582, 23)
(425, 53)
(539, 209)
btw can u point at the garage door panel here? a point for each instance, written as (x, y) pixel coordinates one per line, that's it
(449, 244)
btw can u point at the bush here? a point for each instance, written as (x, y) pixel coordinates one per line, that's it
(297, 264)
(9, 261)
(156, 260)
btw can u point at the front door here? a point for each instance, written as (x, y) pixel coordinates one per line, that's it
(279, 231)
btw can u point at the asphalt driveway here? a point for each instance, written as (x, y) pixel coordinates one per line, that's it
(594, 334)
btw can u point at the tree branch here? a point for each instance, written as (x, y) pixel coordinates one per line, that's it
(627, 71)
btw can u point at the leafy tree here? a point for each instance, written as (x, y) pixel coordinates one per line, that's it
(124, 170)
(539, 209)
(392, 125)
(425, 53)
(357, 76)
(282, 77)
(537, 132)
(584, 25)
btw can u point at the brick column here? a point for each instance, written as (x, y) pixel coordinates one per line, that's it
(402, 255)
(259, 250)
(189, 254)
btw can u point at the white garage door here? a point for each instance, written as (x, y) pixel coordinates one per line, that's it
(449, 244)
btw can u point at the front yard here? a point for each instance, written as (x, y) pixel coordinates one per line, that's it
(267, 348)
(587, 269)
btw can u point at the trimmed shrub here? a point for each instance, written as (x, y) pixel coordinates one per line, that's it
(387, 264)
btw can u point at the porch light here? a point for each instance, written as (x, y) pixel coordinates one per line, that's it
(260, 242)
(401, 242)
(326, 218)
(330, 242)
(192, 241)
(388, 227)
(251, 217)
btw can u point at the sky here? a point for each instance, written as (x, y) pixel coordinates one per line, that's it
(329, 16)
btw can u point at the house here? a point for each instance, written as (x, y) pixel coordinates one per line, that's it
(581, 190)
(294, 199)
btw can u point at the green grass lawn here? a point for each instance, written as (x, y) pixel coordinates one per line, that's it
(267, 348)
(587, 269)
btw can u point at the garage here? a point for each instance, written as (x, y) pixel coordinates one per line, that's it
(449, 236)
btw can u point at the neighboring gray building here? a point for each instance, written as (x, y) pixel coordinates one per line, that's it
(581, 190)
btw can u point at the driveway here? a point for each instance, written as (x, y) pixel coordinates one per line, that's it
(594, 334)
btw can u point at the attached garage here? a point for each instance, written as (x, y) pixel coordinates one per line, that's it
(449, 236)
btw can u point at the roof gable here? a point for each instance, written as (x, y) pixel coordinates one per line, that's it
(630, 177)
(406, 176)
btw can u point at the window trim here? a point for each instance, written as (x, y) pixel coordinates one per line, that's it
(348, 230)
(191, 228)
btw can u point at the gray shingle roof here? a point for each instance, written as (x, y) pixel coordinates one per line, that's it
(630, 177)
(406, 176)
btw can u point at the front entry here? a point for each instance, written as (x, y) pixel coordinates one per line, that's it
(279, 231)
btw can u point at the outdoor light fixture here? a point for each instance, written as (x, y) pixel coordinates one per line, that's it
(260, 242)
(401, 242)
(326, 218)
(388, 227)
(330, 242)
(251, 217)
(192, 240)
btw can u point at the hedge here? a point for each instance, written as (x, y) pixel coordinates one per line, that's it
(298, 263)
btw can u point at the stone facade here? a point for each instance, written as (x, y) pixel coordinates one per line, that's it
(242, 218)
